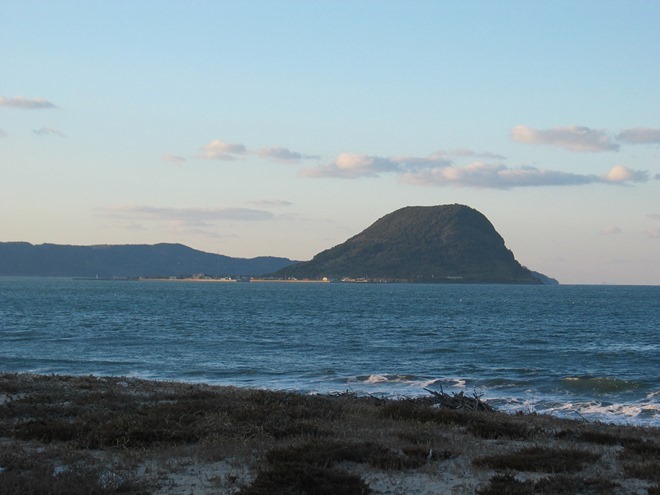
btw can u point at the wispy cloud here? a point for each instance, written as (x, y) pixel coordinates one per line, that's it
(176, 159)
(494, 176)
(354, 165)
(3, 133)
(463, 152)
(25, 103)
(224, 151)
(271, 203)
(189, 221)
(572, 138)
(221, 150)
(48, 131)
(200, 217)
(581, 138)
(640, 135)
(655, 233)
(281, 154)
(500, 176)
(438, 169)
(449, 168)
(185, 228)
(434, 160)
(654, 216)
(613, 230)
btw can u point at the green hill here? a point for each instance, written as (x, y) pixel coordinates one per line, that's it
(159, 260)
(449, 243)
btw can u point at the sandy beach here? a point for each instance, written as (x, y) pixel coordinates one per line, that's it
(62, 434)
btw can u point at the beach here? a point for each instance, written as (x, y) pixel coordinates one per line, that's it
(89, 434)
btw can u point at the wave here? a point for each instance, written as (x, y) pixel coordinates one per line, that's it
(518, 395)
(411, 385)
(610, 413)
(637, 413)
(599, 384)
(383, 379)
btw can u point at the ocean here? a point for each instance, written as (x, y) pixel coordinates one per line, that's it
(590, 352)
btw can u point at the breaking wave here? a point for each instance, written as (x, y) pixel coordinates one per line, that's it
(599, 385)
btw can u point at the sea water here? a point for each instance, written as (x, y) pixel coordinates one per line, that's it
(573, 351)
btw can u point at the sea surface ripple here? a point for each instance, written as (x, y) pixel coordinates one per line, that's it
(589, 351)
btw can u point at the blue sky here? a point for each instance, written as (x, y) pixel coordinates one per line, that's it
(284, 127)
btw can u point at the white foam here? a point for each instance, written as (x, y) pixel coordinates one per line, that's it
(596, 411)
(627, 410)
(377, 379)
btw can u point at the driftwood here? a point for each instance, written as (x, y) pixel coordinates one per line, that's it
(460, 401)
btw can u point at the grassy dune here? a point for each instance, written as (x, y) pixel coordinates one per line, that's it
(70, 435)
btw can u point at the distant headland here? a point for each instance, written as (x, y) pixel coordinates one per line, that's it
(432, 244)
(127, 262)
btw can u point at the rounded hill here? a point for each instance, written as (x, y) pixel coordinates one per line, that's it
(447, 243)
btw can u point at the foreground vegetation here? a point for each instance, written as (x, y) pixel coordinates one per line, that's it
(70, 435)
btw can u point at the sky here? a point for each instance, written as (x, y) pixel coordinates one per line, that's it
(284, 127)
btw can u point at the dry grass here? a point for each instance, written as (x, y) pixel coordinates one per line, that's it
(540, 459)
(508, 484)
(62, 434)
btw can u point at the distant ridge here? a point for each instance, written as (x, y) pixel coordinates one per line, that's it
(159, 260)
(447, 243)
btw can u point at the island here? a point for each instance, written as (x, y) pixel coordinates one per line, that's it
(438, 244)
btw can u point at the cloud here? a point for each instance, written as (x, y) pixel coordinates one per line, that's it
(438, 169)
(3, 133)
(654, 216)
(25, 103)
(271, 202)
(613, 230)
(411, 163)
(572, 138)
(500, 176)
(48, 131)
(494, 176)
(354, 165)
(640, 135)
(621, 174)
(655, 233)
(176, 159)
(462, 152)
(184, 227)
(137, 227)
(191, 217)
(350, 166)
(220, 150)
(283, 154)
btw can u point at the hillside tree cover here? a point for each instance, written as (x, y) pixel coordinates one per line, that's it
(448, 243)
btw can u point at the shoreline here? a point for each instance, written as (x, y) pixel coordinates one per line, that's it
(193, 279)
(145, 436)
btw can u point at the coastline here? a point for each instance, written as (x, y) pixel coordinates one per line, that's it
(141, 436)
(200, 279)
